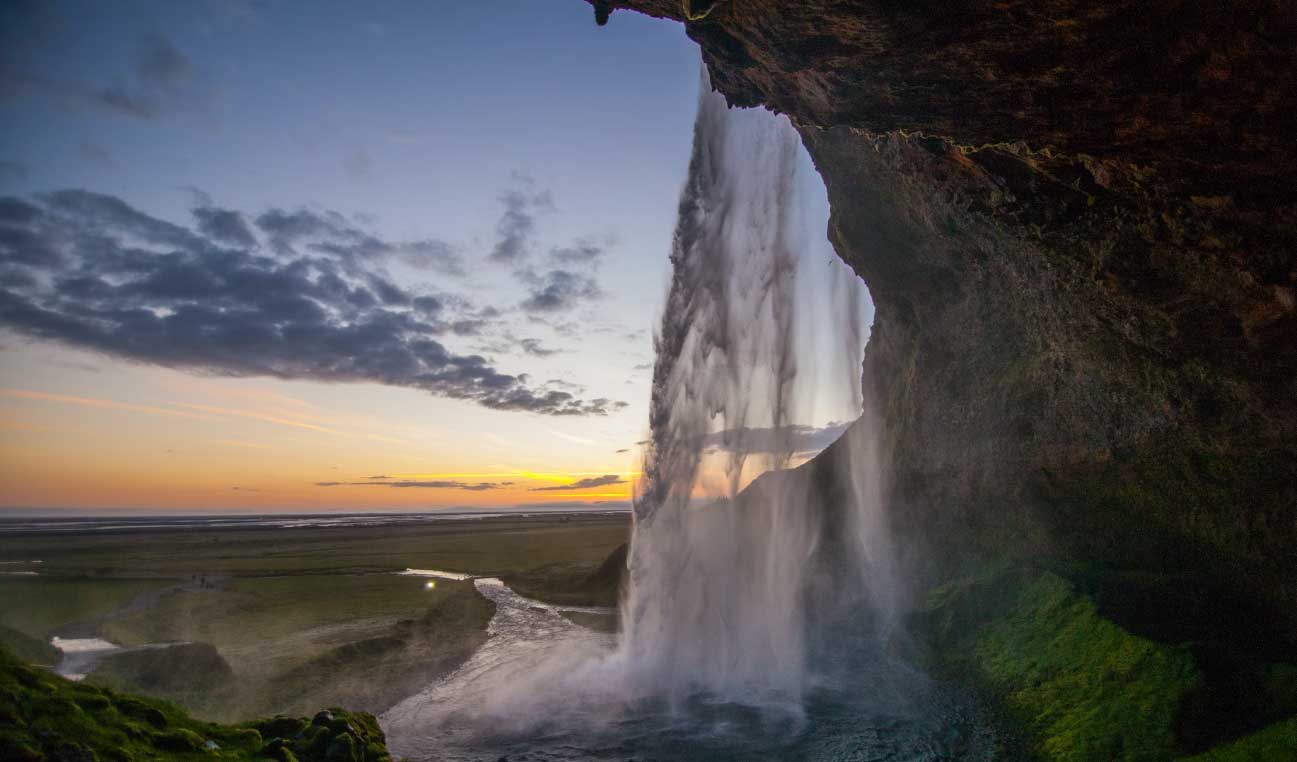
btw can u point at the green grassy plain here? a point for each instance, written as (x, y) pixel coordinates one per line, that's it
(304, 617)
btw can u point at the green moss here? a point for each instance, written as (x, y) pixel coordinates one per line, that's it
(1079, 686)
(43, 716)
(1088, 689)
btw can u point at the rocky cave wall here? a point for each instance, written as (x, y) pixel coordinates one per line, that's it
(1079, 227)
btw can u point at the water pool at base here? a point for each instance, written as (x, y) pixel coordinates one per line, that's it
(542, 688)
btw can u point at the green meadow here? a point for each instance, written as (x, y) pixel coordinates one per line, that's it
(289, 620)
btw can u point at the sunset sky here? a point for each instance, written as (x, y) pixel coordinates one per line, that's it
(390, 257)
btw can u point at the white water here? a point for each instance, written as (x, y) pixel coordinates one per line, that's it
(530, 667)
(756, 619)
(720, 584)
(80, 655)
(457, 576)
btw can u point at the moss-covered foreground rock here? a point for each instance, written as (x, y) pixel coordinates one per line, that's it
(44, 718)
(1081, 687)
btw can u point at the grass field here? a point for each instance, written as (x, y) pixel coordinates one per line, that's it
(304, 617)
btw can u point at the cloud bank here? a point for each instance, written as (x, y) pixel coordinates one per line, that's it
(593, 481)
(287, 294)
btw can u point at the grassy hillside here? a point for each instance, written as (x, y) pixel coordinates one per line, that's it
(44, 718)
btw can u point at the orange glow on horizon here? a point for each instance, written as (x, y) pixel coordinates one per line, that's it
(155, 439)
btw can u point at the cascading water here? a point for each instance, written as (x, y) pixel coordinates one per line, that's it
(719, 582)
(762, 592)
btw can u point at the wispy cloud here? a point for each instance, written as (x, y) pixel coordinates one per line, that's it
(589, 483)
(69, 399)
(13, 170)
(517, 224)
(190, 411)
(574, 438)
(408, 484)
(160, 82)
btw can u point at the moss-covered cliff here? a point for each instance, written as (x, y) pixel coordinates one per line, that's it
(1078, 222)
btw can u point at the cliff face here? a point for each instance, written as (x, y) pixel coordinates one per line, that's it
(1079, 227)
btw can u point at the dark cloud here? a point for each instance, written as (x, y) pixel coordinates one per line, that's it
(224, 226)
(89, 271)
(565, 285)
(432, 254)
(622, 450)
(518, 223)
(579, 253)
(568, 328)
(797, 439)
(469, 486)
(558, 290)
(561, 384)
(508, 343)
(472, 327)
(593, 481)
(331, 234)
(534, 348)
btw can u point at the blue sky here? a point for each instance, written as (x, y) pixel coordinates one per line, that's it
(415, 113)
(455, 128)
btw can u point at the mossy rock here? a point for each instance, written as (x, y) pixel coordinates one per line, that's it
(44, 718)
(179, 740)
(280, 727)
(1079, 686)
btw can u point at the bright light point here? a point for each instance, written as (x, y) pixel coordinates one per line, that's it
(429, 585)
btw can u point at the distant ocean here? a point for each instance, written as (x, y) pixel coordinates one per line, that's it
(53, 524)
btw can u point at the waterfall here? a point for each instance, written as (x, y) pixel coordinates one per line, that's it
(761, 581)
(730, 575)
